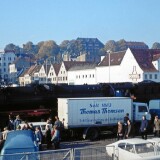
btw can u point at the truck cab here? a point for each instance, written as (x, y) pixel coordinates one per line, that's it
(139, 110)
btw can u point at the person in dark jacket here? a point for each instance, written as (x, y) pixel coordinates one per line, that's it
(126, 118)
(11, 123)
(38, 137)
(48, 137)
(130, 130)
(143, 127)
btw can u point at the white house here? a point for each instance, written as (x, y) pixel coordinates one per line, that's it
(82, 73)
(53, 73)
(6, 58)
(126, 66)
(26, 77)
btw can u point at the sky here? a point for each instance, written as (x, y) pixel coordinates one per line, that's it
(41, 20)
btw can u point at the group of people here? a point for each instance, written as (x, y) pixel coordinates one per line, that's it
(51, 136)
(126, 129)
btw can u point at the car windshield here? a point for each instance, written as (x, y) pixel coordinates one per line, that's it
(144, 148)
(158, 146)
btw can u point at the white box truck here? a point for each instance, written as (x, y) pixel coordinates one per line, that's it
(93, 116)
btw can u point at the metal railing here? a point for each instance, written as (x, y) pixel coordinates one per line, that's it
(85, 153)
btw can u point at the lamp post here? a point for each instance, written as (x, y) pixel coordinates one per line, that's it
(109, 64)
(46, 71)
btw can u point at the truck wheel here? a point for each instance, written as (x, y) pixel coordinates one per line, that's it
(93, 134)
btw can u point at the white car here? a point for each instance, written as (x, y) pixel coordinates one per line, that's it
(156, 143)
(132, 149)
(42, 126)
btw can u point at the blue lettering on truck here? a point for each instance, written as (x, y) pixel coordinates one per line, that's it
(105, 109)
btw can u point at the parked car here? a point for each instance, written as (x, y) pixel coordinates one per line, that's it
(19, 141)
(156, 142)
(42, 125)
(132, 149)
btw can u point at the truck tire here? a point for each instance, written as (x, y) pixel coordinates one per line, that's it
(93, 133)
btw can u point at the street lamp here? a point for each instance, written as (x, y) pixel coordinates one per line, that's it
(46, 71)
(109, 64)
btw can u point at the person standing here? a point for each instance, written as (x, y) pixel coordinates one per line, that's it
(130, 129)
(126, 118)
(120, 131)
(156, 126)
(10, 123)
(56, 137)
(38, 137)
(17, 122)
(48, 137)
(143, 127)
(5, 132)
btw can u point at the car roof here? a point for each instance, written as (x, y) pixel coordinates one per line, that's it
(132, 141)
(19, 138)
(38, 123)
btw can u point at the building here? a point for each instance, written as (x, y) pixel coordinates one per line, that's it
(136, 45)
(82, 73)
(53, 73)
(127, 66)
(6, 58)
(18, 66)
(91, 47)
(27, 76)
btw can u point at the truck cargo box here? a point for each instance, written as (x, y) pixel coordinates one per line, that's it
(102, 111)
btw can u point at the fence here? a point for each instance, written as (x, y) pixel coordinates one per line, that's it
(85, 153)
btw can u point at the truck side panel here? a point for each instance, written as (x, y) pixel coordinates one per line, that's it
(84, 112)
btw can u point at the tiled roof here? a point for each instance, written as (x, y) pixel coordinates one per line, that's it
(69, 64)
(156, 57)
(36, 69)
(115, 59)
(47, 67)
(56, 68)
(136, 44)
(155, 53)
(83, 66)
(144, 58)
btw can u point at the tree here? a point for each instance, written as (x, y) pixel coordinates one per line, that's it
(47, 49)
(156, 45)
(13, 47)
(63, 46)
(121, 45)
(29, 47)
(110, 45)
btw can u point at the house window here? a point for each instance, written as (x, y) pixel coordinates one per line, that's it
(93, 75)
(150, 76)
(86, 76)
(145, 76)
(155, 76)
(83, 76)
